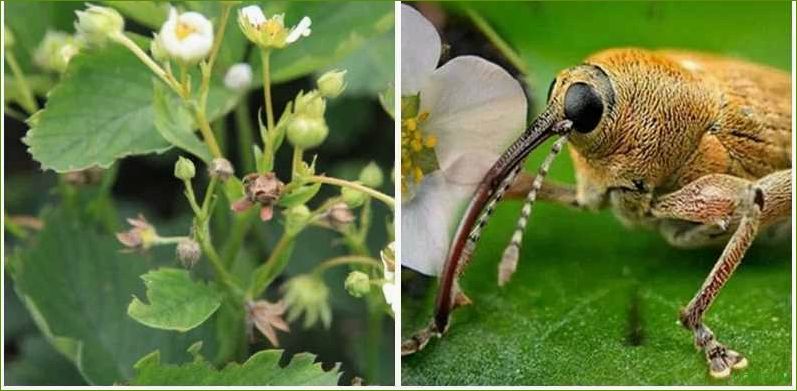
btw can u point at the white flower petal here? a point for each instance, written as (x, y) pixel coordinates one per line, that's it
(193, 47)
(428, 222)
(474, 107)
(254, 15)
(300, 30)
(420, 50)
(238, 77)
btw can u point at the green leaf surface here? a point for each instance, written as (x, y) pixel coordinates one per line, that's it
(76, 284)
(370, 67)
(593, 302)
(299, 195)
(262, 369)
(151, 14)
(339, 28)
(176, 302)
(40, 364)
(175, 124)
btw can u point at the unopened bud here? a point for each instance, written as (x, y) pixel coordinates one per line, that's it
(184, 169)
(238, 77)
(188, 252)
(157, 50)
(339, 215)
(296, 219)
(311, 104)
(331, 84)
(221, 168)
(55, 51)
(372, 175)
(305, 132)
(97, 23)
(358, 284)
(352, 198)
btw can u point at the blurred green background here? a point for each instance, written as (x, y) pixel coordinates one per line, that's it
(357, 36)
(594, 303)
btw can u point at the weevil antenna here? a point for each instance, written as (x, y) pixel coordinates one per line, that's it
(511, 254)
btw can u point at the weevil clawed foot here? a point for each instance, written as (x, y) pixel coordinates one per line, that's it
(721, 361)
(418, 341)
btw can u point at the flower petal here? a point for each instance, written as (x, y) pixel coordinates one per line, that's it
(254, 15)
(300, 30)
(420, 50)
(475, 107)
(428, 222)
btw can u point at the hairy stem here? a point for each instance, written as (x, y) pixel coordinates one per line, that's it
(497, 41)
(245, 137)
(207, 133)
(386, 199)
(28, 100)
(347, 260)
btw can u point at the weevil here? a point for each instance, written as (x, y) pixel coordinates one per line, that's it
(693, 145)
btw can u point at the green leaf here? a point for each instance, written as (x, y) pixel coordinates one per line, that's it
(300, 195)
(100, 112)
(35, 354)
(370, 67)
(262, 369)
(175, 301)
(339, 28)
(175, 124)
(151, 14)
(76, 284)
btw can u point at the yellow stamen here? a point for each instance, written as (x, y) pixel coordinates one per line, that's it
(415, 147)
(182, 31)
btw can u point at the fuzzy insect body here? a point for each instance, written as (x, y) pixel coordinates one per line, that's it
(694, 145)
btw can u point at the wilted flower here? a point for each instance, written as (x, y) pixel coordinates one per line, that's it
(267, 318)
(264, 189)
(55, 51)
(331, 83)
(270, 32)
(307, 294)
(96, 24)
(456, 121)
(188, 252)
(390, 289)
(238, 77)
(187, 37)
(141, 235)
(339, 215)
(220, 168)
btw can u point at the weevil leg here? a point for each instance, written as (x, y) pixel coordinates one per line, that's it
(717, 201)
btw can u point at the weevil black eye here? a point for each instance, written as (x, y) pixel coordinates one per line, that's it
(583, 106)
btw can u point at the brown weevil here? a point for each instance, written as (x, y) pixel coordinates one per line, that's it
(693, 145)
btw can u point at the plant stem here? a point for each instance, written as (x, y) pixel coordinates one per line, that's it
(191, 196)
(207, 67)
(171, 239)
(259, 283)
(147, 60)
(245, 137)
(221, 272)
(497, 41)
(265, 57)
(208, 196)
(346, 260)
(297, 161)
(386, 199)
(28, 100)
(207, 133)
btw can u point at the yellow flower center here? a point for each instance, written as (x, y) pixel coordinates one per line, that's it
(183, 31)
(272, 27)
(417, 151)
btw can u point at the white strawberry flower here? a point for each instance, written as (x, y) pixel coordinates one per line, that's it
(456, 121)
(270, 32)
(186, 37)
(238, 77)
(389, 288)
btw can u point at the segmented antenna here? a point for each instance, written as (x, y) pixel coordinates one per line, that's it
(476, 232)
(512, 252)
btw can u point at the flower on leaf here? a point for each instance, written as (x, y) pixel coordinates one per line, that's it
(186, 37)
(307, 294)
(267, 318)
(270, 32)
(456, 121)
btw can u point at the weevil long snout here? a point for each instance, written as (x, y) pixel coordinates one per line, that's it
(488, 193)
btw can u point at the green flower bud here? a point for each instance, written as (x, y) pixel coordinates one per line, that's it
(372, 176)
(157, 50)
(307, 132)
(358, 284)
(55, 51)
(296, 219)
(184, 169)
(307, 294)
(311, 104)
(97, 23)
(331, 84)
(352, 198)
(9, 40)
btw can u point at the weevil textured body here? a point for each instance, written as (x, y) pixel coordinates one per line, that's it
(693, 145)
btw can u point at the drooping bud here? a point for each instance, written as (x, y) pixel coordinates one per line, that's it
(55, 51)
(96, 24)
(372, 176)
(267, 318)
(307, 294)
(184, 169)
(141, 235)
(358, 284)
(305, 132)
(352, 198)
(238, 77)
(220, 168)
(331, 83)
(188, 252)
